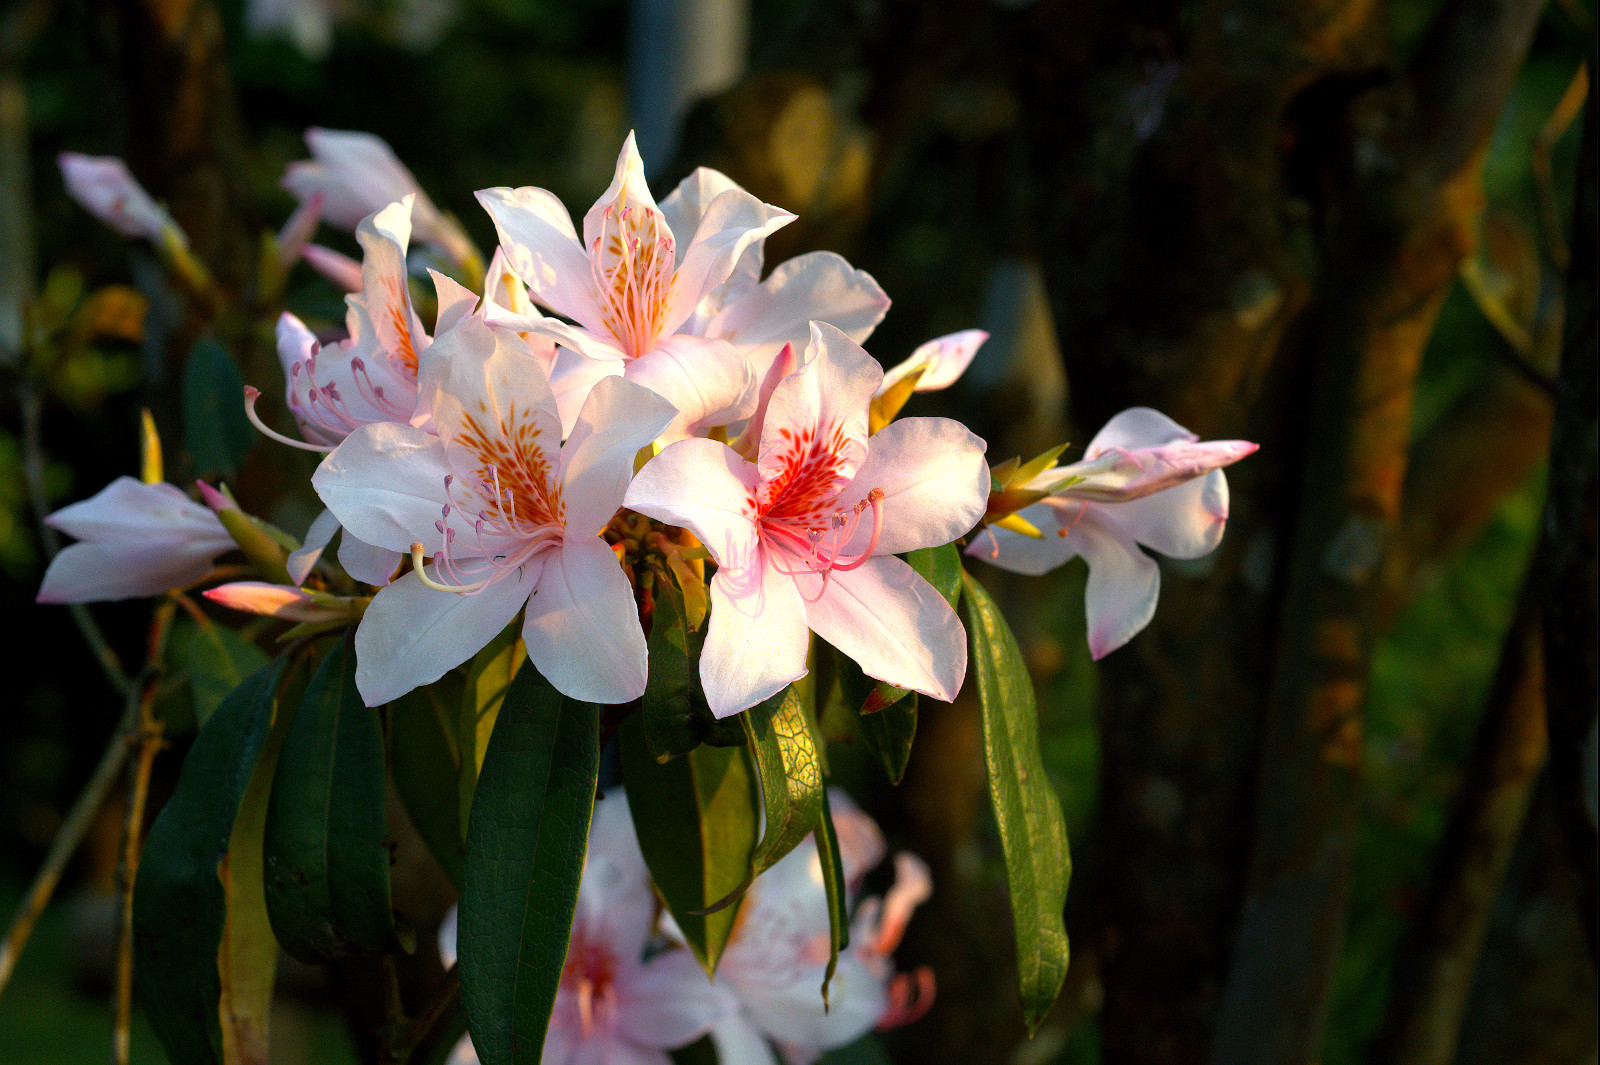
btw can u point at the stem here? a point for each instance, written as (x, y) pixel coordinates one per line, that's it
(411, 1036)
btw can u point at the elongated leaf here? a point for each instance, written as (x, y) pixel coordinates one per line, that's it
(488, 679)
(888, 735)
(180, 901)
(218, 660)
(525, 848)
(1033, 833)
(833, 887)
(426, 763)
(215, 430)
(673, 710)
(790, 770)
(940, 567)
(326, 834)
(696, 819)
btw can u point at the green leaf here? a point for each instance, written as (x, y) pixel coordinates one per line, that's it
(674, 711)
(426, 762)
(864, 1051)
(888, 735)
(326, 835)
(1033, 834)
(862, 693)
(940, 567)
(489, 677)
(696, 819)
(215, 430)
(219, 660)
(833, 886)
(790, 770)
(525, 847)
(197, 855)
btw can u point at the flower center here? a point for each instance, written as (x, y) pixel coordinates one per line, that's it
(633, 264)
(798, 513)
(590, 973)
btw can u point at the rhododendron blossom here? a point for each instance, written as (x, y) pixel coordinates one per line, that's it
(804, 537)
(509, 516)
(1144, 479)
(103, 186)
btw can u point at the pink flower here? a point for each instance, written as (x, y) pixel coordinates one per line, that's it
(135, 539)
(942, 361)
(510, 517)
(630, 286)
(103, 186)
(1144, 479)
(804, 537)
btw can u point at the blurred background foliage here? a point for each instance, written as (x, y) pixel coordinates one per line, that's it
(908, 138)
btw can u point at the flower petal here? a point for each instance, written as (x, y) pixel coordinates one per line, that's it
(1124, 582)
(618, 418)
(732, 223)
(386, 484)
(826, 399)
(127, 508)
(818, 285)
(942, 360)
(708, 381)
(572, 378)
(895, 625)
(737, 1040)
(1185, 521)
(757, 639)
(357, 173)
(301, 561)
(685, 206)
(125, 568)
(542, 247)
(412, 635)
(1134, 428)
(366, 563)
(935, 483)
(702, 486)
(1025, 554)
(582, 630)
(669, 1001)
(791, 1010)
(628, 190)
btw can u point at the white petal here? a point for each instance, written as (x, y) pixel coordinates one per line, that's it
(370, 565)
(1134, 428)
(301, 562)
(709, 382)
(894, 625)
(827, 397)
(537, 235)
(702, 486)
(757, 639)
(386, 484)
(356, 172)
(935, 483)
(455, 300)
(100, 572)
(739, 1042)
(105, 188)
(628, 189)
(791, 1010)
(582, 630)
(685, 206)
(733, 221)
(1024, 554)
(595, 344)
(127, 508)
(412, 635)
(942, 360)
(572, 378)
(669, 1002)
(618, 418)
(1124, 583)
(1185, 521)
(818, 285)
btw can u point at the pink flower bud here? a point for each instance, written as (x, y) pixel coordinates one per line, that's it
(103, 186)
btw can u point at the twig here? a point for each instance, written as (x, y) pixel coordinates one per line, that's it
(1544, 142)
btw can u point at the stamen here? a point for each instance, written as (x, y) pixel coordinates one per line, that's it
(251, 394)
(459, 589)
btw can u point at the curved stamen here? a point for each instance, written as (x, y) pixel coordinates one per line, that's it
(372, 393)
(251, 394)
(459, 589)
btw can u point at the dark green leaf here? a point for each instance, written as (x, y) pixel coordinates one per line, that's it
(215, 430)
(790, 770)
(425, 762)
(1033, 834)
(180, 899)
(888, 735)
(219, 660)
(525, 847)
(674, 711)
(326, 835)
(940, 567)
(833, 887)
(488, 679)
(695, 817)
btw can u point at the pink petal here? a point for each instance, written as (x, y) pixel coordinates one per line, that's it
(103, 186)
(895, 626)
(618, 418)
(537, 235)
(733, 222)
(818, 285)
(343, 271)
(826, 398)
(756, 640)
(708, 381)
(1137, 427)
(1124, 583)
(273, 601)
(128, 568)
(1181, 522)
(385, 484)
(935, 483)
(942, 361)
(702, 486)
(412, 635)
(669, 1002)
(582, 628)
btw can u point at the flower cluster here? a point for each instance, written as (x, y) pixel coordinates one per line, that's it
(630, 990)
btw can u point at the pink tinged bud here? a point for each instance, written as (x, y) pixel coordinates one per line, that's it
(1121, 474)
(297, 231)
(343, 271)
(214, 499)
(103, 186)
(279, 601)
(942, 361)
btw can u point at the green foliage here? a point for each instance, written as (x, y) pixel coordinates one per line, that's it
(526, 841)
(833, 886)
(188, 898)
(789, 766)
(1033, 833)
(217, 659)
(216, 432)
(674, 711)
(489, 677)
(425, 761)
(696, 818)
(327, 854)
